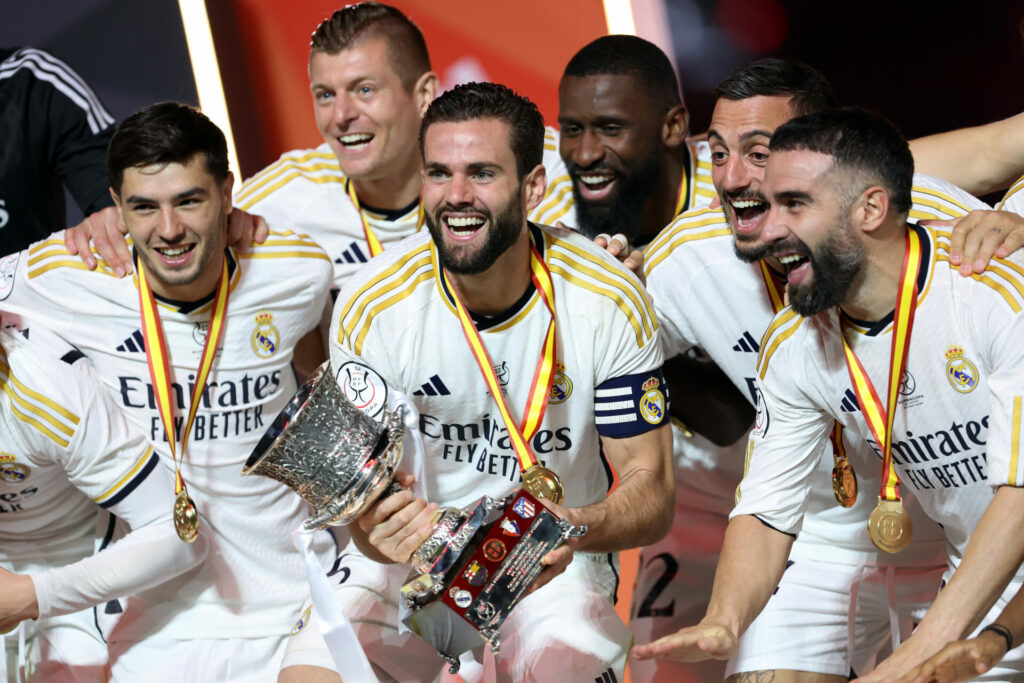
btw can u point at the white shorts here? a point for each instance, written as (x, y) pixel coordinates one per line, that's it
(673, 587)
(833, 618)
(165, 660)
(62, 649)
(567, 631)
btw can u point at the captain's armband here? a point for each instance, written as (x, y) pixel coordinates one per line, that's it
(631, 404)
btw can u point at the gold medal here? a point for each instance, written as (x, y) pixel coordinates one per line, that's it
(543, 483)
(844, 483)
(186, 519)
(890, 527)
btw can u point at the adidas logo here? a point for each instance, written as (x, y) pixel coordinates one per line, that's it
(747, 344)
(849, 403)
(607, 677)
(435, 387)
(134, 343)
(352, 255)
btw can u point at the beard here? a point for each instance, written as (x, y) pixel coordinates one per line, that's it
(833, 265)
(621, 211)
(503, 232)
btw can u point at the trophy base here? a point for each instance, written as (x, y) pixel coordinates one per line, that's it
(469, 601)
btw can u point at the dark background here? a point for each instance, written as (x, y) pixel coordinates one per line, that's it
(928, 66)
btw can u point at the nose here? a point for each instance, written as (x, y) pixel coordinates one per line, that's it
(459, 191)
(735, 175)
(775, 228)
(169, 228)
(345, 110)
(588, 149)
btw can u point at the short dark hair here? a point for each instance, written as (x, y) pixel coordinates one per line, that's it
(858, 141)
(633, 56)
(165, 133)
(807, 89)
(471, 101)
(407, 50)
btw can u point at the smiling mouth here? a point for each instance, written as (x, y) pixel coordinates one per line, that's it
(594, 184)
(463, 226)
(748, 212)
(796, 266)
(355, 141)
(173, 255)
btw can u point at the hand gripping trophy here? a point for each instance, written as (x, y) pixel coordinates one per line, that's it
(479, 561)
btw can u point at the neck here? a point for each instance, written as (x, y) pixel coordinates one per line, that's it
(660, 207)
(874, 290)
(497, 288)
(397, 189)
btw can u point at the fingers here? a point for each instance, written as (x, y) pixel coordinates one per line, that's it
(404, 479)
(262, 230)
(398, 525)
(554, 563)
(693, 644)
(245, 228)
(76, 241)
(980, 235)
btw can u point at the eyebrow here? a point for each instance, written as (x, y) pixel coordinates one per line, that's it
(793, 194)
(712, 133)
(191, 192)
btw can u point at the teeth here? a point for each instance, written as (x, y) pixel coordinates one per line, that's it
(467, 222)
(747, 204)
(356, 138)
(173, 253)
(594, 179)
(790, 258)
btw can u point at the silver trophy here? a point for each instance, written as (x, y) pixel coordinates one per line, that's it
(338, 458)
(478, 562)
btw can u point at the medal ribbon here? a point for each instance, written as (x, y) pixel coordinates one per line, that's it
(879, 421)
(540, 390)
(159, 366)
(371, 238)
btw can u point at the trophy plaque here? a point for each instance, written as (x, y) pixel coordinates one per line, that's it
(478, 562)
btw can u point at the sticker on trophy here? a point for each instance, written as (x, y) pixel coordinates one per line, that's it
(494, 550)
(476, 575)
(509, 527)
(485, 610)
(524, 508)
(363, 387)
(462, 599)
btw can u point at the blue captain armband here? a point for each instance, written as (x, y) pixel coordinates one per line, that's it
(631, 404)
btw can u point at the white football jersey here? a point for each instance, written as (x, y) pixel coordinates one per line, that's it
(961, 392)
(253, 582)
(64, 449)
(395, 326)
(705, 296)
(558, 204)
(1013, 200)
(305, 190)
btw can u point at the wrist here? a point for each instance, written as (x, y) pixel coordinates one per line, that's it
(1001, 633)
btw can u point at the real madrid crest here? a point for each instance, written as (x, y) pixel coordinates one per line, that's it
(652, 402)
(561, 385)
(265, 338)
(960, 371)
(12, 472)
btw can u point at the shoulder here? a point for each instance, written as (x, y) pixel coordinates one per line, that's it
(781, 336)
(704, 228)
(1003, 279)
(301, 168)
(1013, 200)
(585, 270)
(45, 392)
(49, 258)
(385, 282)
(42, 66)
(933, 197)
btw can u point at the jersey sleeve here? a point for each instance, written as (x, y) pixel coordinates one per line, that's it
(78, 127)
(557, 205)
(672, 296)
(935, 198)
(999, 326)
(1013, 200)
(789, 435)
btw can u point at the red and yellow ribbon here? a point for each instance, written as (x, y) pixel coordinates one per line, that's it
(540, 390)
(159, 361)
(880, 420)
(371, 238)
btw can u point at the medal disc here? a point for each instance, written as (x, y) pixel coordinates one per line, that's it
(889, 527)
(844, 483)
(543, 483)
(186, 519)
